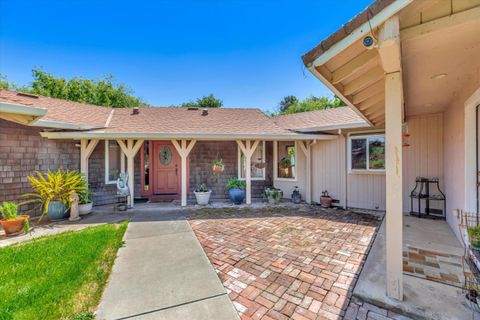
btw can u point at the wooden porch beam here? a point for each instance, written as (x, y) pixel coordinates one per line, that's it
(183, 148)
(86, 149)
(248, 149)
(389, 45)
(440, 24)
(306, 147)
(130, 149)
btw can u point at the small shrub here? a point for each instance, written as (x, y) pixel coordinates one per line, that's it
(474, 236)
(202, 187)
(235, 183)
(9, 210)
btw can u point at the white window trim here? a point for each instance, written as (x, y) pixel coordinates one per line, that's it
(349, 152)
(107, 169)
(239, 167)
(275, 163)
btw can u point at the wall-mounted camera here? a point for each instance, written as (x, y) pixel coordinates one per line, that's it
(369, 42)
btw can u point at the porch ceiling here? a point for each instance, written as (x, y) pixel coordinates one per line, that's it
(437, 37)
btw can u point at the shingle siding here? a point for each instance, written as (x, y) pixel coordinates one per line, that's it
(23, 151)
(201, 158)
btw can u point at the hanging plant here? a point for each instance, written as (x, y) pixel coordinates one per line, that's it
(260, 164)
(285, 163)
(217, 166)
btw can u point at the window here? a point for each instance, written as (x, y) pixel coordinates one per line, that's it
(367, 153)
(257, 169)
(286, 160)
(114, 161)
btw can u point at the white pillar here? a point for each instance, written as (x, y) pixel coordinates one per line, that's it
(305, 146)
(86, 149)
(183, 148)
(393, 166)
(248, 149)
(130, 149)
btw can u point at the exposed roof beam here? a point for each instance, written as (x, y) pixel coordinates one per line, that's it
(363, 81)
(357, 64)
(336, 91)
(371, 101)
(440, 24)
(389, 45)
(377, 87)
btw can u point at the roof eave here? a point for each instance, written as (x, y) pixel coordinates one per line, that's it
(22, 109)
(162, 136)
(60, 125)
(318, 56)
(334, 127)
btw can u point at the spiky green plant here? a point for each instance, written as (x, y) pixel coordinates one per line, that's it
(9, 210)
(56, 185)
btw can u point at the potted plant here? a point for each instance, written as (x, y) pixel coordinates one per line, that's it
(218, 166)
(474, 237)
(202, 194)
(296, 196)
(236, 190)
(13, 223)
(285, 163)
(85, 202)
(273, 195)
(53, 192)
(260, 164)
(325, 200)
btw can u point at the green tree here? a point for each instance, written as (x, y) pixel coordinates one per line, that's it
(102, 92)
(204, 102)
(288, 105)
(287, 102)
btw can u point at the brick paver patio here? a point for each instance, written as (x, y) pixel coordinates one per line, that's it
(287, 263)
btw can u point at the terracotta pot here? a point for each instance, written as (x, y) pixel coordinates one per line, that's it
(260, 165)
(218, 168)
(326, 202)
(12, 227)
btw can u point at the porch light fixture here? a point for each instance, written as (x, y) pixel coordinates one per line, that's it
(438, 76)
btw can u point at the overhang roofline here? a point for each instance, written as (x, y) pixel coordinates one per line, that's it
(162, 136)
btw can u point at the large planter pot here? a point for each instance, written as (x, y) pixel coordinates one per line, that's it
(203, 197)
(296, 198)
(84, 209)
(57, 211)
(13, 227)
(236, 195)
(326, 202)
(272, 199)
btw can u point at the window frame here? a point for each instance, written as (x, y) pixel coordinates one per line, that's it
(367, 170)
(275, 162)
(107, 162)
(239, 166)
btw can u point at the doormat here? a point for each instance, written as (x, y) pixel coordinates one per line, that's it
(434, 266)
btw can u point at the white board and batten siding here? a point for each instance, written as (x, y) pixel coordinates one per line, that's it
(366, 191)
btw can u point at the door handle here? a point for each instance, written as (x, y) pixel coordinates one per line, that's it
(176, 169)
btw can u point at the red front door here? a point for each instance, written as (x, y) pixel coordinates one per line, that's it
(166, 177)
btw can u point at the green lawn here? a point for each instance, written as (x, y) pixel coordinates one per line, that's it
(60, 276)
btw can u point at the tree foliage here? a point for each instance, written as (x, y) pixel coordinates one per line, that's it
(290, 104)
(102, 92)
(204, 102)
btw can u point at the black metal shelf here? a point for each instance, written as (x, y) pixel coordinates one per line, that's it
(421, 192)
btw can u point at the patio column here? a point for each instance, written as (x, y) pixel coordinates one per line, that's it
(248, 149)
(306, 147)
(130, 149)
(183, 149)
(390, 56)
(86, 149)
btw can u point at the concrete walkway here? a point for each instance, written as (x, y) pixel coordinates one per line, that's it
(163, 273)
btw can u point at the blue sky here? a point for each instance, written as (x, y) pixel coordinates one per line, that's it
(246, 53)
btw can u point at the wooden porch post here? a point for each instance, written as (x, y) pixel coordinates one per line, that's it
(390, 55)
(86, 149)
(183, 149)
(130, 149)
(306, 147)
(248, 149)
